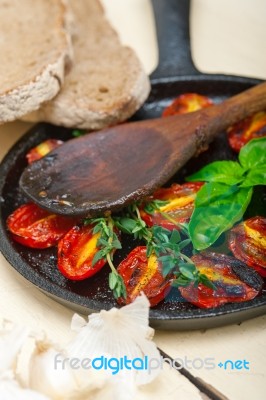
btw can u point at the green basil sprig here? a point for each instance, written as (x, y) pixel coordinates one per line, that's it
(223, 200)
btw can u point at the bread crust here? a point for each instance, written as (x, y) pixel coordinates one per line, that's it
(42, 75)
(107, 82)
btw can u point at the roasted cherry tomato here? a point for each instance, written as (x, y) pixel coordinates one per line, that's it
(42, 149)
(250, 128)
(179, 206)
(142, 274)
(234, 281)
(34, 227)
(186, 103)
(76, 251)
(247, 242)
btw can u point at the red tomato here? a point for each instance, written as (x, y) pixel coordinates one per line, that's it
(34, 227)
(143, 275)
(247, 242)
(42, 149)
(230, 288)
(186, 103)
(179, 208)
(250, 128)
(76, 251)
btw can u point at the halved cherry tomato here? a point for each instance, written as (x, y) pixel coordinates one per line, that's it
(42, 149)
(76, 251)
(247, 242)
(34, 227)
(179, 207)
(234, 281)
(250, 128)
(185, 103)
(142, 274)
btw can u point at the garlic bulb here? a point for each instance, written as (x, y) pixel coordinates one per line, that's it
(91, 366)
(10, 390)
(114, 335)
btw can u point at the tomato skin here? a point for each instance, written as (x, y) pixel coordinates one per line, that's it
(247, 241)
(34, 227)
(141, 274)
(250, 128)
(185, 103)
(76, 251)
(180, 207)
(229, 287)
(42, 149)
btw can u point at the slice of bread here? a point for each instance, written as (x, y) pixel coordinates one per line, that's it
(35, 48)
(107, 82)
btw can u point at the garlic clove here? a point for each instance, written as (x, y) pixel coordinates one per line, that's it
(12, 338)
(51, 373)
(10, 390)
(77, 323)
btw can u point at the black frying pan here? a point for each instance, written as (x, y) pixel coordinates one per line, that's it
(176, 74)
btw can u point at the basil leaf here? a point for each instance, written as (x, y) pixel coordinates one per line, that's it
(256, 176)
(217, 213)
(211, 192)
(229, 172)
(253, 154)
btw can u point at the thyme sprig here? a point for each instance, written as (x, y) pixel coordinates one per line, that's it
(165, 244)
(108, 242)
(168, 246)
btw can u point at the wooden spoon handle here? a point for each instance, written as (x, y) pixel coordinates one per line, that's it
(240, 106)
(206, 123)
(190, 134)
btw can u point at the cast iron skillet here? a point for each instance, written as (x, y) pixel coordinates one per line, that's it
(176, 74)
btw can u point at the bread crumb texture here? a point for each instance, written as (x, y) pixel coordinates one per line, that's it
(35, 48)
(107, 82)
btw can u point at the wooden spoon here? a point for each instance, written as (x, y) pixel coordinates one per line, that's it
(108, 169)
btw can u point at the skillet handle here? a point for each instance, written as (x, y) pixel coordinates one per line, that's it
(172, 24)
